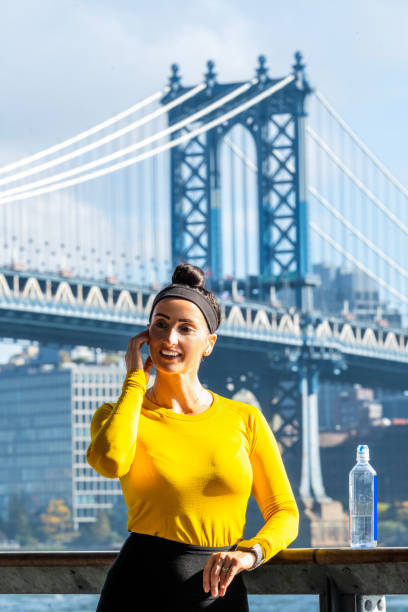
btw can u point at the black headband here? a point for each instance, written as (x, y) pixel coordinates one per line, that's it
(189, 293)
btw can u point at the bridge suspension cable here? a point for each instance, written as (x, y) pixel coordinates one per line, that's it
(169, 145)
(391, 262)
(356, 181)
(379, 252)
(361, 144)
(85, 134)
(241, 155)
(355, 261)
(94, 145)
(138, 145)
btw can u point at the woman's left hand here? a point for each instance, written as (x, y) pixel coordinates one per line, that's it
(214, 576)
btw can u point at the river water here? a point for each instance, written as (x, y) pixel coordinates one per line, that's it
(257, 603)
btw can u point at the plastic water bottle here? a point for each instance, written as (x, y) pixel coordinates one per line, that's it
(363, 501)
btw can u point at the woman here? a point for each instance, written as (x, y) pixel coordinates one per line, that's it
(187, 459)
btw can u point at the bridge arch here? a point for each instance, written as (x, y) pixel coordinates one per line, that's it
(239, 223)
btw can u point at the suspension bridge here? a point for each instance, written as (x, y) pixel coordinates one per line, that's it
(263, 184)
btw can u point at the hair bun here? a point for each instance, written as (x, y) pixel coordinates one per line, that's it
(187, 274)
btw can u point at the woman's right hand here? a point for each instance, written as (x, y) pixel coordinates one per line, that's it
(133, 357)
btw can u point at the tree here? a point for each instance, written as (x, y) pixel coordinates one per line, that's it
(110, 358)
(56, 520)
(96, 533)
(118, 517)
(391, 533)
(18, 524)
(3, 528)
(100, 530)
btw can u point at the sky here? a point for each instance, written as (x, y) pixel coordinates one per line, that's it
(66, 65)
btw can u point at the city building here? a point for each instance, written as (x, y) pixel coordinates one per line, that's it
(355, 409)
(346, 407)
(352, 294)
(35, 436)
(45, 416)
(395, 406)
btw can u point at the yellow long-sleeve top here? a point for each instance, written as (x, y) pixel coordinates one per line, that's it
(188, 477)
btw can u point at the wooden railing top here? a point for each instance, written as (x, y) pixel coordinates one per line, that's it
(341, 556)
(290, 556)
(342, 577)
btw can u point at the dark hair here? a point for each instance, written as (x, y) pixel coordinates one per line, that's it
(193, 276)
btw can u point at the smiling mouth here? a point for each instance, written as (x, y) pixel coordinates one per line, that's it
(170, 355)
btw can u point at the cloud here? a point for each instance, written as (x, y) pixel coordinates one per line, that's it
(71, 64)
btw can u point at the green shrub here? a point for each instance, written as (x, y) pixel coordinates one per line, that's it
(392, 533)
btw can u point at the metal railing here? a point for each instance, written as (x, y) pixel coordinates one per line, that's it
(345, 579)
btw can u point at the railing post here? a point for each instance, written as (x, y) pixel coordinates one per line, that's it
(333, 600)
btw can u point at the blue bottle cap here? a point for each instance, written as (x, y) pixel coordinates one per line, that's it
(363, 452)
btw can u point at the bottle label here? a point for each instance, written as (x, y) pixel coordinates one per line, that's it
(375, 507)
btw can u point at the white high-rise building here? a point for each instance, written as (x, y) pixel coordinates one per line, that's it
(91, 386)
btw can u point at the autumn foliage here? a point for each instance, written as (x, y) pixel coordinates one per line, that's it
(56, 520)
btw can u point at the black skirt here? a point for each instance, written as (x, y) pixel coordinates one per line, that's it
(152, 573)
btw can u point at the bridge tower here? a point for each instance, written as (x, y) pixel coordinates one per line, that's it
(277, 127)
(276, 123)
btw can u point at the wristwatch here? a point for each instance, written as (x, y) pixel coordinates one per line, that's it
(257, 550)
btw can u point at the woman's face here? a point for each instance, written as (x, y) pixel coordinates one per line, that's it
(178, 327)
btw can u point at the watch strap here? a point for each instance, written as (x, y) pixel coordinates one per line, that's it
(258, 552)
